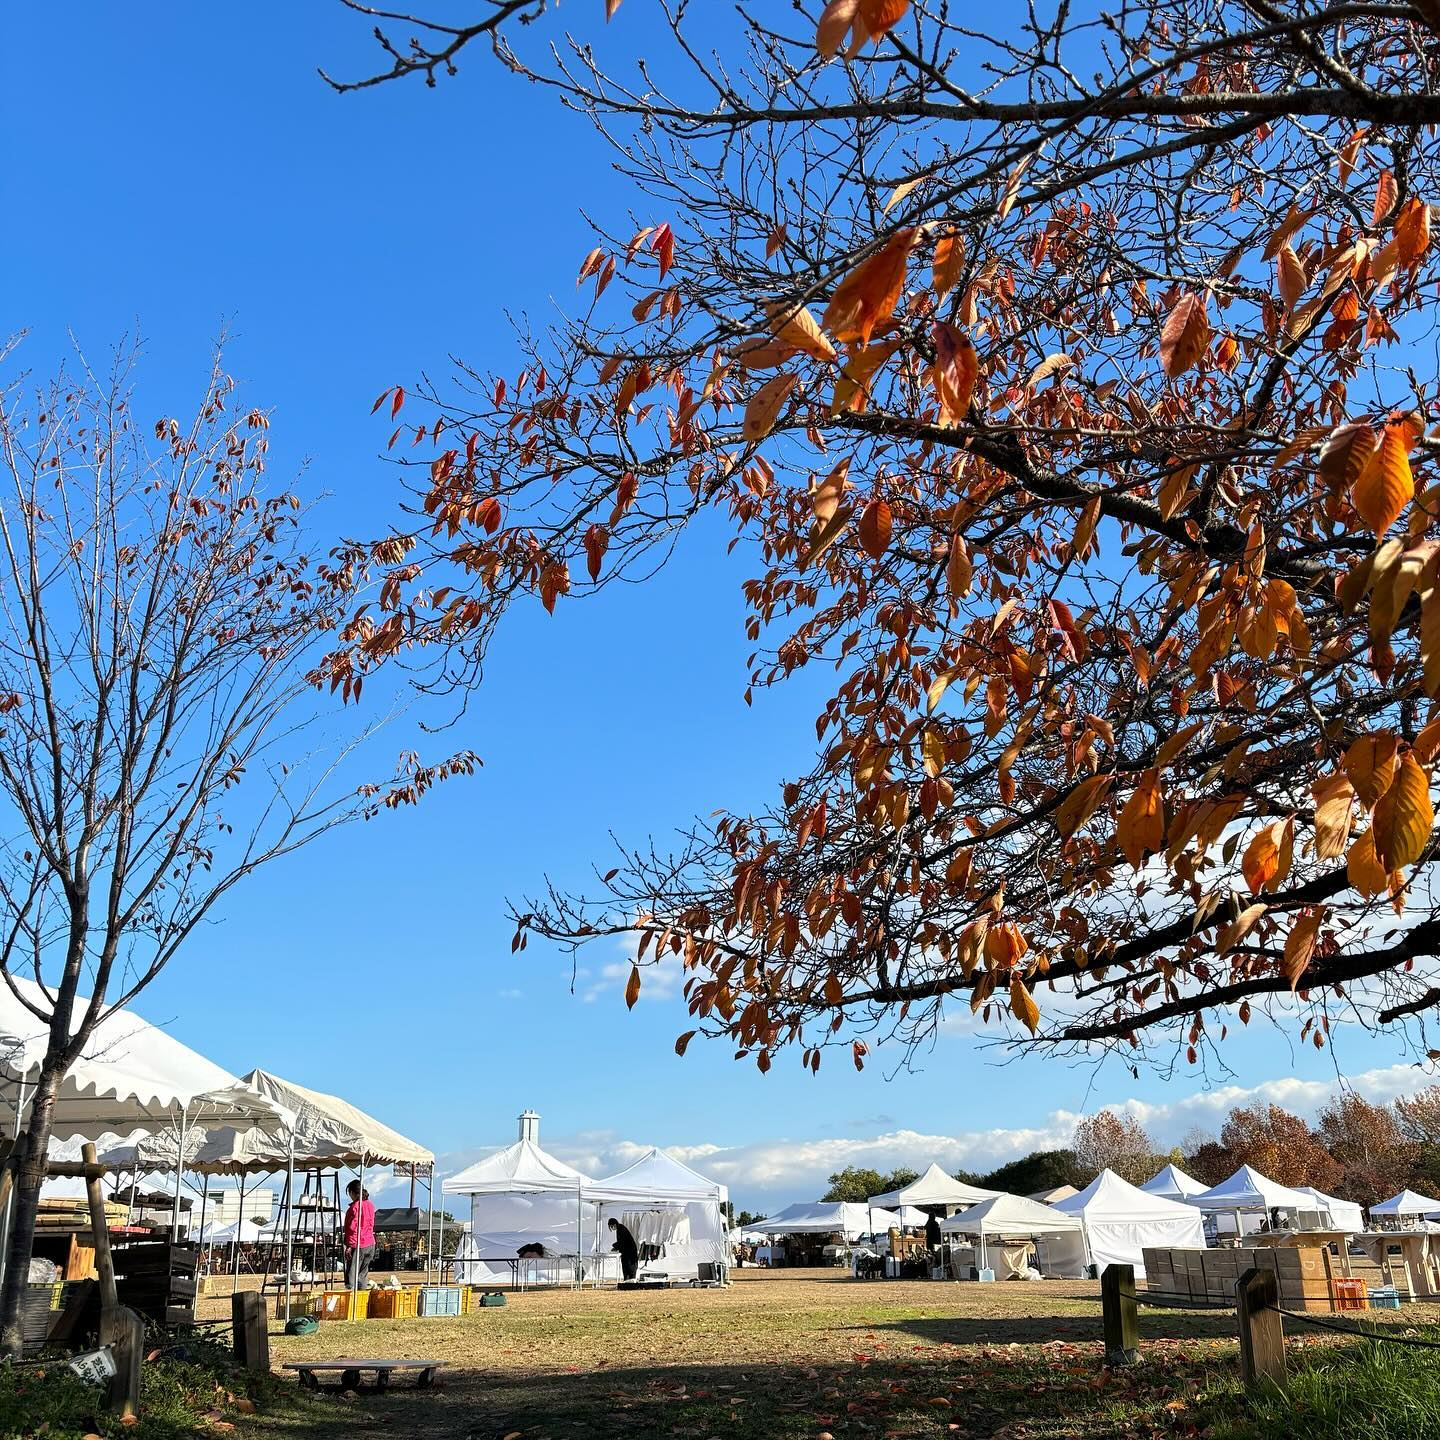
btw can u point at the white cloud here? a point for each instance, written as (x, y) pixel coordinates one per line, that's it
(661, 980)
(511, 994)
(764, 1174)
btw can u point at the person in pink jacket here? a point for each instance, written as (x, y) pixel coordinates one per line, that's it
(359, 1236)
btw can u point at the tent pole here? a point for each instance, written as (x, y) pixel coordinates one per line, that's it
(355, 1253)
(204, 1196)
(285, 1220)
(579, 1235)
(175, 1208)
(429, 1220)
(235, 1250)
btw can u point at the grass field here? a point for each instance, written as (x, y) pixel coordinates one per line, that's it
(782, 1355)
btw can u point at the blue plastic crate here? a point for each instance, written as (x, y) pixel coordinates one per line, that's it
(1384, 1297)
(439, 1300)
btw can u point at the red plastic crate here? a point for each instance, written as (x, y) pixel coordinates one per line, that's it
(1351, 1295)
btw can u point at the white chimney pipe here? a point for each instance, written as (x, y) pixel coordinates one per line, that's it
(530, 1127)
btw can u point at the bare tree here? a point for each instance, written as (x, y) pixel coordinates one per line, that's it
(162, 735)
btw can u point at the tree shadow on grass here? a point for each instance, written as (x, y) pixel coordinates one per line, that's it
(1045, 1390)
(1155, 1324)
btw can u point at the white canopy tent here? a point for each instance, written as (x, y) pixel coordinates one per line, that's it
(1173, 1183)
(1121, 1220)
(1408, 1204)
(1246, 1198)
(1014, 1217)
(1333, 1211)
(1053, 1197)
(830, 1217)
(519, 1196)
(933, 1188)
(670, 1209)
(322, 1132)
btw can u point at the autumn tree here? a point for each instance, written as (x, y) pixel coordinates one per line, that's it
(161, 736)
(1037, 1171)
(1069, 380)
(1367, 1143)
(1114, 1140)
(1280, 1145)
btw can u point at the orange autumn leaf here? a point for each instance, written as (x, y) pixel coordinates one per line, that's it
(957, 368)
(1141, 829)
(1404, 817)
(1267, 857)
(1023, 1006)
(1385, 485)
(1300, 945)
(1334, 795)
(796, 326)
(632, 987)
(948, 264)
(880, 16)
(874, 529)
(868, 295)
(1345, 454)
(1369, 764)
(1363, 870)
(835, 22)
(1186, 334)
(763, 409)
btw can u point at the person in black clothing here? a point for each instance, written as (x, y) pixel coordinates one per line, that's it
(932, 1233)
(629, 1250)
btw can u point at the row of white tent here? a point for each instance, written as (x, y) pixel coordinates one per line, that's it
(521, 1197)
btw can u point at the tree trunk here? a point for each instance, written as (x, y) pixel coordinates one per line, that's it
(29, 1176)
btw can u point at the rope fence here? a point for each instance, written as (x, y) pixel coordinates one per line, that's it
(1259, 1315)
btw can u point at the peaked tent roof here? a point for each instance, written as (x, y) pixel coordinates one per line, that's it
(1053, 1197)
(519, 1169)
(1345, 1213)
(827, 1217)
(1407, 1202)
(934, 1187)
(327, 1132)
(1174, 1182)
(657, 1175)
(1248, 1189)
(1011, 1215)
(131, 1075)
(1110, 1197)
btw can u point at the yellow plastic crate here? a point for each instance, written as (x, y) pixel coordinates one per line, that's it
(335, 1304)
(392, 1304)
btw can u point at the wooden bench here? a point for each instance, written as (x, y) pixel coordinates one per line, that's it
(350, 1369)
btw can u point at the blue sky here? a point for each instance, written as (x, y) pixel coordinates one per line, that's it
(177, 167)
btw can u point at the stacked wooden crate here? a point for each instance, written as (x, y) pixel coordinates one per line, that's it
(1303, 1274)
(158, 1279)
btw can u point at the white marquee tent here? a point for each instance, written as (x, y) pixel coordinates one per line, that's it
(830, 1217)
(670, 1209)
(520, 1196)
(131, 1076)
(1121, 1220)
(936, 1188)
(1342, 1214)
(1173, 1183)
(1408, 1204)
(1248, 1189)
(1014, 1217)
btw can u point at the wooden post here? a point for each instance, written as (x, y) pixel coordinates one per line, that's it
(1262, 1331)
(1121, 1315)
(124, 1332)
(252, 1334)
(104, 1261)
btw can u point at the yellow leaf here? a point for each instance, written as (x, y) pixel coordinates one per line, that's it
(1364, 872)
(1081, 803)
(1232, 934)
(1404, 817)
(1267, 857)
(1142, 822)
(932, 747)
(1370, 763)
(1023, 1006)
(763, 409)
(1334, 795)
(797, 326)
(1300, 945)
(1385, 486)
(1186, 335)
